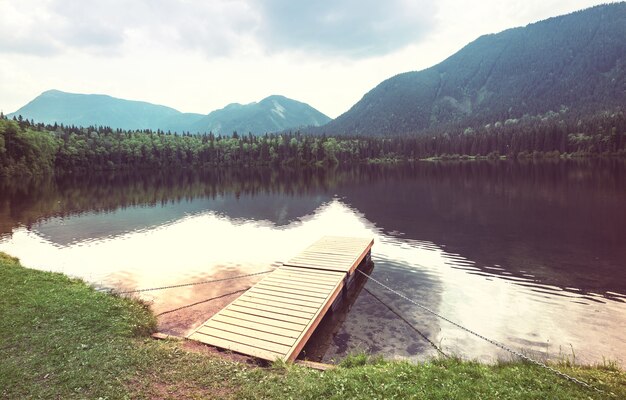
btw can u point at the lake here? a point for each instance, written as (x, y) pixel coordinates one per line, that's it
(529, 254)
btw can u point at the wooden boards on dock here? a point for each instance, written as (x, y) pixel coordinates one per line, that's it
(274, 318)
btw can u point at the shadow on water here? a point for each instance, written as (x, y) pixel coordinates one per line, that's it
(365, 322)
(558, 223)
(328, 328)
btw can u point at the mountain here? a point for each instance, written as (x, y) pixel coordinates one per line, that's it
(575, 62)
(272, 114)
(96, 109)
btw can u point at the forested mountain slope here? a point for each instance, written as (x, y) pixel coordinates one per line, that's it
(575, 62)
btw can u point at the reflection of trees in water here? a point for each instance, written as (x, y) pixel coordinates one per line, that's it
(26, 202)
(561, 221)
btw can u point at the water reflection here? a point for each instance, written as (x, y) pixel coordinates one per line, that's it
(528, 254)
(562, 224)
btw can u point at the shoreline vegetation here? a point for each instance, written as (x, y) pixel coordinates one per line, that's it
(30, 149)
(64, 339)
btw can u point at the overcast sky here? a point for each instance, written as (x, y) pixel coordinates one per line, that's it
(197, 56)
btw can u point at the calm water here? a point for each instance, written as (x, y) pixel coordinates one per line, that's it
(532, 255)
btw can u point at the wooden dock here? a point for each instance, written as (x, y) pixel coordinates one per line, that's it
(274, 318)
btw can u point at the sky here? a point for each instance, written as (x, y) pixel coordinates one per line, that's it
(198, 56)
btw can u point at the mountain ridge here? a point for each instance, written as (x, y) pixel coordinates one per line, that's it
(269, 112)
(55, 106)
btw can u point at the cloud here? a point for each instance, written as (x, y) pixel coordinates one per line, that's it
(217, 28)
(18, 34)
(106, 27)
(349, 27)
(50, 27)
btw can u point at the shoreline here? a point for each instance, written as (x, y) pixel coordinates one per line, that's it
(64, 339)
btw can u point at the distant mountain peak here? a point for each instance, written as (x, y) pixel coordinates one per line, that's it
(275, 97)
(274, 113)
(53, 92)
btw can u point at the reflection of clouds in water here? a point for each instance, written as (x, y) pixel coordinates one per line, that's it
(95, 225)
(507, 310)
(190, 246)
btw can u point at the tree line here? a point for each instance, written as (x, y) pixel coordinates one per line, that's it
(28, 148)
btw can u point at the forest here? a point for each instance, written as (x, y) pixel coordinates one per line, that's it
(28, 148)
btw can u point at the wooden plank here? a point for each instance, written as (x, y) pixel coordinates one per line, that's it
(315, 279)
(290, 306)
(270, 315)
(311, 300)
(332, 259)
(307, 282)
(245, 331)
(322, 275)
(288, 291)
(310, 275)
(245, 339)
(336, 250)
(277, 310)
(300, 287)
(326, 277)
(341, 268)
(280, 304)
(324, 255)
(300, 261)
(309, 279)
(292, 333)
(238, 347)
(337, 247)
(296, 262)
(302, 290)
(286, 300)
(261, 320)
(277, 289)
(260, 305)
(286, 267)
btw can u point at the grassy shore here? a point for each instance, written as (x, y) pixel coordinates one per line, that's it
(62, 339)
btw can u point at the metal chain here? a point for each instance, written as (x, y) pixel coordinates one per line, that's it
(194, 283)
(202, 301)
(500, 345)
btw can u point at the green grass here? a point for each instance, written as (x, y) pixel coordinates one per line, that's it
(62, 339)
